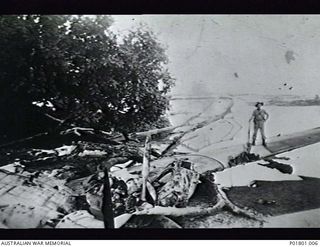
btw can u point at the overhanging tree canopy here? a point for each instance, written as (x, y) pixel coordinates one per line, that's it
(74, 69)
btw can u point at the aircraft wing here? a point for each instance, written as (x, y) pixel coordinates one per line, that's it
(275, 145)
(30, 205)
(286, 143)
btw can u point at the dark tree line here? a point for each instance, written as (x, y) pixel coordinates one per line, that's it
(62, 71)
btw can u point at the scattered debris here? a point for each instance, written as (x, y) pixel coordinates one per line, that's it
(79, 219)
(280, 158)
(253, 184)
(284, 168)
(139, 189)
(242, 158)
(93, 153)
(174, 186)
(265, 202)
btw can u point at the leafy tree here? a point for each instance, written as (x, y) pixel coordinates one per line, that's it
(73, 71)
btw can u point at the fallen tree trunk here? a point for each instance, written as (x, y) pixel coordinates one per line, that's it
(177, 212)
(237, 210)
(199, 211)
(178, 140)
(223, 203)
(166, 129)
(23, 139)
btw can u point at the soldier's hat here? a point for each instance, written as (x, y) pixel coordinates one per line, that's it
(259, 103)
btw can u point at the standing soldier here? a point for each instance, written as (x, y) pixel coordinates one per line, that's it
(259, 117)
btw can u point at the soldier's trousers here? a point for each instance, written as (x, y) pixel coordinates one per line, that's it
(259, 125)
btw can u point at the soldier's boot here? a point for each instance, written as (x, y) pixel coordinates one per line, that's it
(264, 143)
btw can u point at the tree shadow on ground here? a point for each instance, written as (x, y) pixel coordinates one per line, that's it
(284, 196)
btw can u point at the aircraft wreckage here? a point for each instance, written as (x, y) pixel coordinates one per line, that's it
(140, 183)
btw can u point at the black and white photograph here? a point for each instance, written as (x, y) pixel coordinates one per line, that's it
(159, 121)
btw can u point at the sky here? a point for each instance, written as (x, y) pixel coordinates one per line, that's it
(236, 54)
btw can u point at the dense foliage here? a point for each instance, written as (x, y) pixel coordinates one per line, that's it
(72, 70)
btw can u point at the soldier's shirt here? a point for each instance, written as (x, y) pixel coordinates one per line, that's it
(259, 115)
